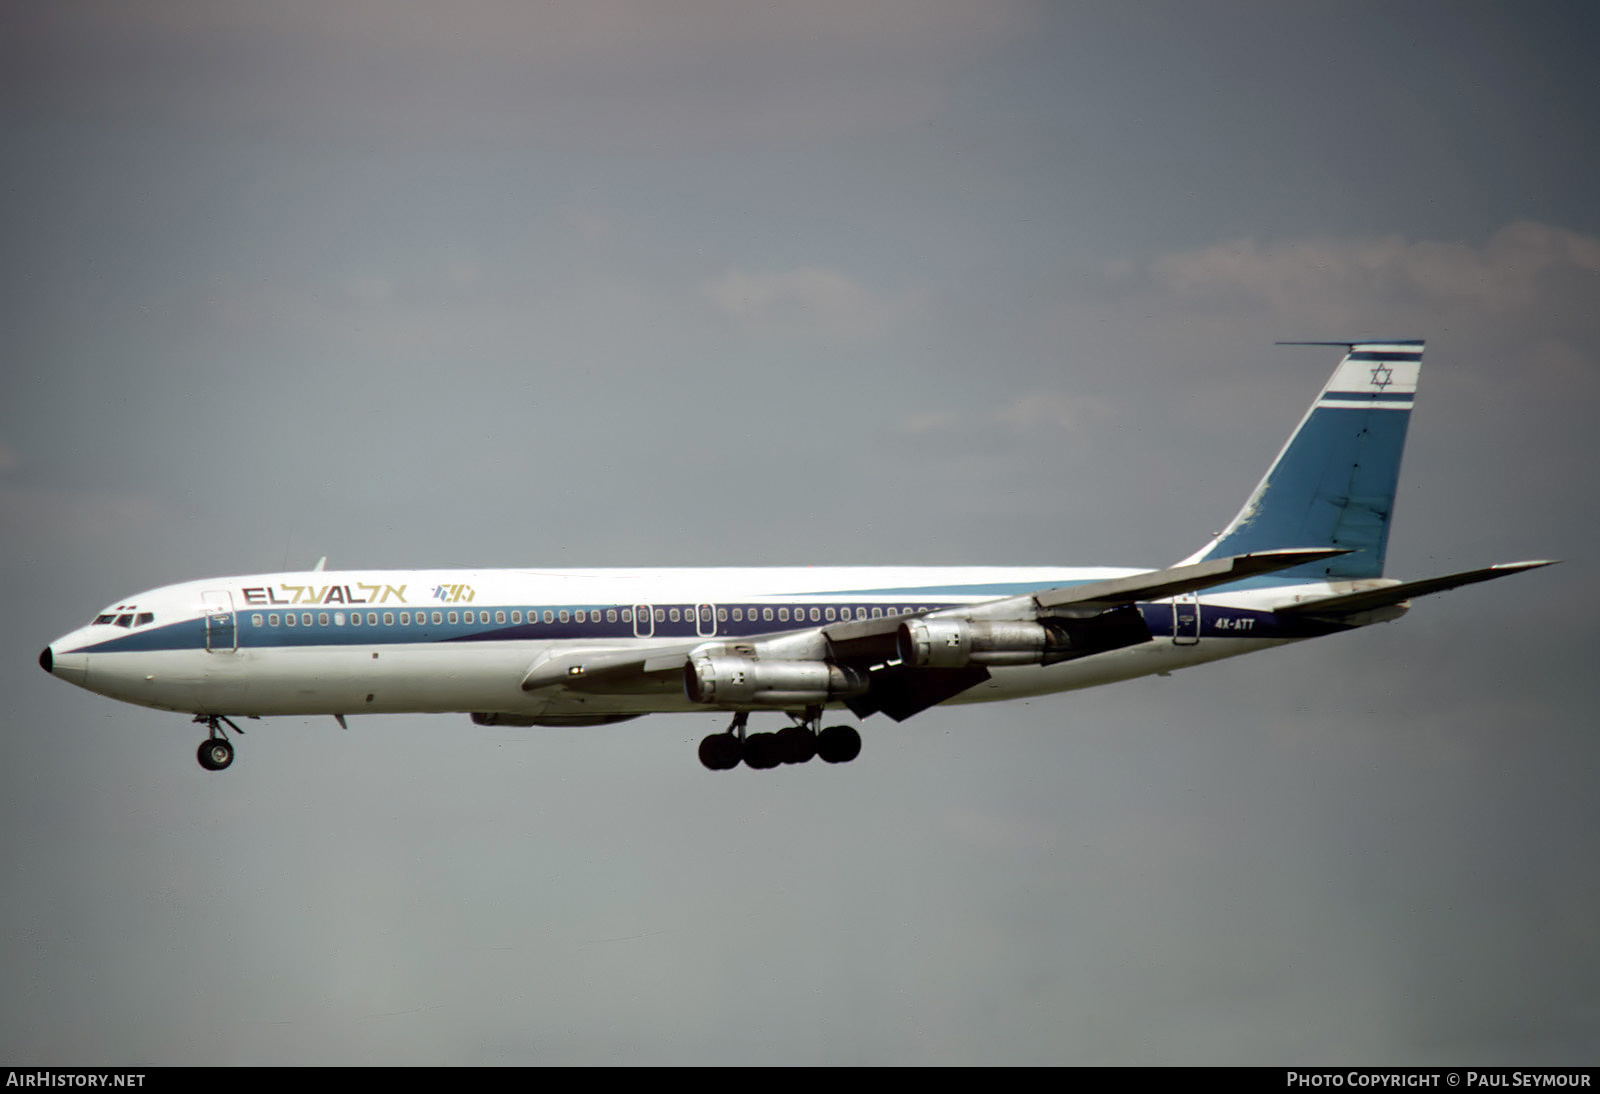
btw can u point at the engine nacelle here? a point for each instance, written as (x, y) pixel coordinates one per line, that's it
(959, 643)
(745, 681)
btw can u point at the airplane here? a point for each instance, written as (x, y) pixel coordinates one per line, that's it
(1302, 559)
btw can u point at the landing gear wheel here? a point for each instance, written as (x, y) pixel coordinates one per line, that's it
(721, 751)
(796, 744)
(215, 754)
(761, 751)
(838, 744)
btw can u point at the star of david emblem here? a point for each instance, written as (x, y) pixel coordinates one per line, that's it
(1381, 375)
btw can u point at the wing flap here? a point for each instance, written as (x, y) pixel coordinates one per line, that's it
(901, 692)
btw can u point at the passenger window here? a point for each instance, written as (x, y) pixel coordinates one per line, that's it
(372, 619)
(783, 615)
(627, 615)
(355, 619)
(876, 612)
(738, 615)
(338, 619)
(438, 617)
(470, 618)
(388, 619)
(581, 616)
(255, 621)
(661, 615)
(516, 617)
(454, 618)
(289, 619)
(673, 615)
(611, 615)
(499, 617)
(816, 614)
(722, 615)
(272, 620)
(563, 616)
(549, 616)
(766, 613)
(322, 619)
(305, 618)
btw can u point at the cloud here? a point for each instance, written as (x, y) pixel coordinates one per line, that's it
(808, 299)
(1509, 274)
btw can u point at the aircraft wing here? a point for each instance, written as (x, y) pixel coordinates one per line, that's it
(1100, 614)
(866, 637)
(1394, 594)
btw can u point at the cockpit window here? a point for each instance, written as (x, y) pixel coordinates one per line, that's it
(143, 618)
(109, 617)
(125, 620)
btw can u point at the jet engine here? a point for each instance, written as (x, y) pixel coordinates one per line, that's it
(745, 681)
(959, 643)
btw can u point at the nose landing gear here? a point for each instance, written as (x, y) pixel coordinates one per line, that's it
(216, 751)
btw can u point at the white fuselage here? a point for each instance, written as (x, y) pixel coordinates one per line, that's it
(436, 641)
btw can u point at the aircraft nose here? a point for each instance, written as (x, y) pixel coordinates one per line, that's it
(47, 661)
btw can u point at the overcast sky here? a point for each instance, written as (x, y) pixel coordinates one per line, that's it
(801, 283)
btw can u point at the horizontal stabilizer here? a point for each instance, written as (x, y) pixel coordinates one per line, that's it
(1395, 594)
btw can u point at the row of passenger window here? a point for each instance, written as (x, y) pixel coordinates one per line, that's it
(768, 614)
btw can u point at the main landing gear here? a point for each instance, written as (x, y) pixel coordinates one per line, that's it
(216, 751)
(795, 744)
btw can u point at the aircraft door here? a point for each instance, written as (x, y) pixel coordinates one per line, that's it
(221, 629)
(705, 620)
(644, 624)
(1186, 619)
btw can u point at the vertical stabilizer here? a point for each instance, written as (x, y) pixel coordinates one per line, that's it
(1333, 485)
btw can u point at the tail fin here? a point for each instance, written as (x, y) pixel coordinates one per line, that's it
(1333, 485)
